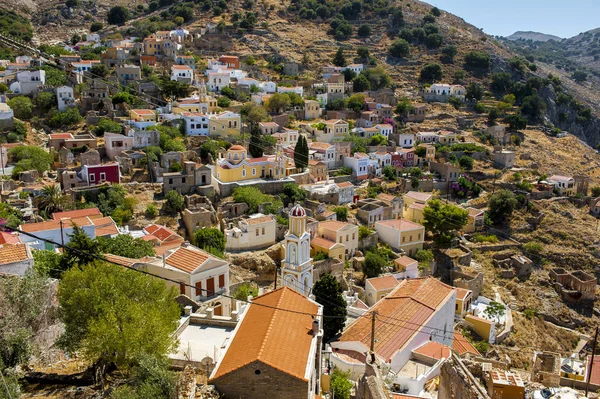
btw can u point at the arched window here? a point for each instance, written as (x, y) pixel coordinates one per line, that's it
(292, 256)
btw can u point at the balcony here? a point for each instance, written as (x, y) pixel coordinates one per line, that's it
(209, 296)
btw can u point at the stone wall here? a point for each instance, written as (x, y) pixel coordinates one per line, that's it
(368, 242)
(258, 381)
(457, 382)
(334, 267)
(370, 386)
(468, 282)
(266, 186)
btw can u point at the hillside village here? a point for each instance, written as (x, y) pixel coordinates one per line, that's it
(181, 219)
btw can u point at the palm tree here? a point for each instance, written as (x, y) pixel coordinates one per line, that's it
(52, 200)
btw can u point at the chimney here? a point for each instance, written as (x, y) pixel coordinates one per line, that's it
(315, 327)
(187, 310)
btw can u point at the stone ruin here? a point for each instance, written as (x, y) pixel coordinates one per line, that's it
(513, 266)
(574, 286)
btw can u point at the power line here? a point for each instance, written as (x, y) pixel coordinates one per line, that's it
(5, 386)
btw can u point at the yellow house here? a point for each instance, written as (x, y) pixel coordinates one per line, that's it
(237, 166)
(504, 384)
(153, 46)
(334, 250)
(142, 115)
(482, 327)
(429, 152)
(414, 204)
(447, 137)
(401, 234)
(343, 233)
(463, 301)
(225, 124)
(378, 287)
(475, 221)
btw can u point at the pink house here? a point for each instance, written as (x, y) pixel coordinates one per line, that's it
(407, 156)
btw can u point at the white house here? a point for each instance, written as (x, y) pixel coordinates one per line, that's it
(385, 129)
(254, 232)
(383, 158)
(298, 90)
(92, 37)
(217, 81)
(356, 68)
(564, 184)
(268, 87)
(194, 267)
(196, 124)
(28, 82)
(182, 73)
(359, 163)
(6, 115)
(64, 97)
(406, 140)
(406, 268)
(324, 152)
(116, 143)
(429, 306)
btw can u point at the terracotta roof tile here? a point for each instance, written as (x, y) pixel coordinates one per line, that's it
(333, 225)
(320, 146)
(403, 262)
(461, 293)
(434, 350)
(400, 224)
(322, 242)
(274, 337)
(461, 346)
(410, 304)
(59, 136)
(9, 238)
(10, 253)
(595, 374)
(55, 224)
(187, 259)
(78, 213)
(423, 197)
(383, 283)
(105, 226)
(162, 233)
(260, 219)
(345, 184)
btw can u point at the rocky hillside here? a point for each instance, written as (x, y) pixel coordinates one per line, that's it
(534, 36)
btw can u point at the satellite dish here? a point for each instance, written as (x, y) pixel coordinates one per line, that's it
(207, 361)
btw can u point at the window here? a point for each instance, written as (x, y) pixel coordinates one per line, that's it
(353, 236)
(92, 177)
(340, 240)
(403, 238)
(103, 176)
(257, 232)
(244, 173)
(263, 231)
(253, 171)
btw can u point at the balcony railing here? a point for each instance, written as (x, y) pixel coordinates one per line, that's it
(209, 296)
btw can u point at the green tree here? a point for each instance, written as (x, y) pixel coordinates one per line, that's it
(595, 191)
(22, 107)
(579, 76)
(501, 206)
(448, 54)
(80, 251)
(117, 15)
(253, 114)
(45, 100)
(254, 197)
(338, 58)
(301, 153)
(125, 245)
(52, 199)
(533, 107)
(435, 12)
(123, 97)
(329, 293)
(434, 40)
(495, 310)
(373, 265)
(363, 53)
(501, 83)
(278, 102)
(389, 172)
(404, 106)
(211, 240)
(30, 157)
(431, 73)
(478, 59)
(356, 102)
(292, 193)
(228, 91)
(151, 211)
(151, 379)
(341, 213)
(174, 202)
(341, 385)
(223, 102)
(466, 162)
(378, 77)
(474, 91)
(96, 26)
(68, 117)
(245, 290)
(516, 122)
(399, 48)
(365, 30)
(443, 220)
(361, 83)
(255, 148)
(137, 316)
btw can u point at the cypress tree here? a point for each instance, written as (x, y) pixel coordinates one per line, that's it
(301, 153)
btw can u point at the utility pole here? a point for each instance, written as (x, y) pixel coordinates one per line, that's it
(589, 374)
(2, 158)
(62, 234)
(373, 317)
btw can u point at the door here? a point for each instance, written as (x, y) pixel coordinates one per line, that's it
(182, 288)
(210, 286)
(221, 281)
(218, 309)
(199, 288)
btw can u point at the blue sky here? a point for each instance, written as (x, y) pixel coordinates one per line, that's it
(504, 17)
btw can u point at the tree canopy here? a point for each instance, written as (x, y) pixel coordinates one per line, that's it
(501, 206)
(328, 292)
(443, 220)
(115, 315)
(211, 240)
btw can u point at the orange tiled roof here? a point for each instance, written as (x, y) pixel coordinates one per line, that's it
(320, 146)
(9, 238)
(461, 346)
(187, 259)
(475, 212)
(143, 111)
(260, 219)
(383, 283)
(10, 253)
(55, 224)
(345, 184)
(105, 226)
(423, 197)
(434, 350)
(322, 242)
(461, 293)
(333, 225)
(78, 213)
(274, 337)
(403, 262)
(161, 232)
(400, 224)
(400, 313)
(59, 136)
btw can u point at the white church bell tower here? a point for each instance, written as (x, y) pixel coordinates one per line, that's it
(297, 267)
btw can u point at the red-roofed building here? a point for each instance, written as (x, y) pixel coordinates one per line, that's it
(378, 287)
(462, 347)
(414, 313)
(15, 259)
(92, 213)
(273, 352)
(162, 238)
(595, 375)
(9, 238)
